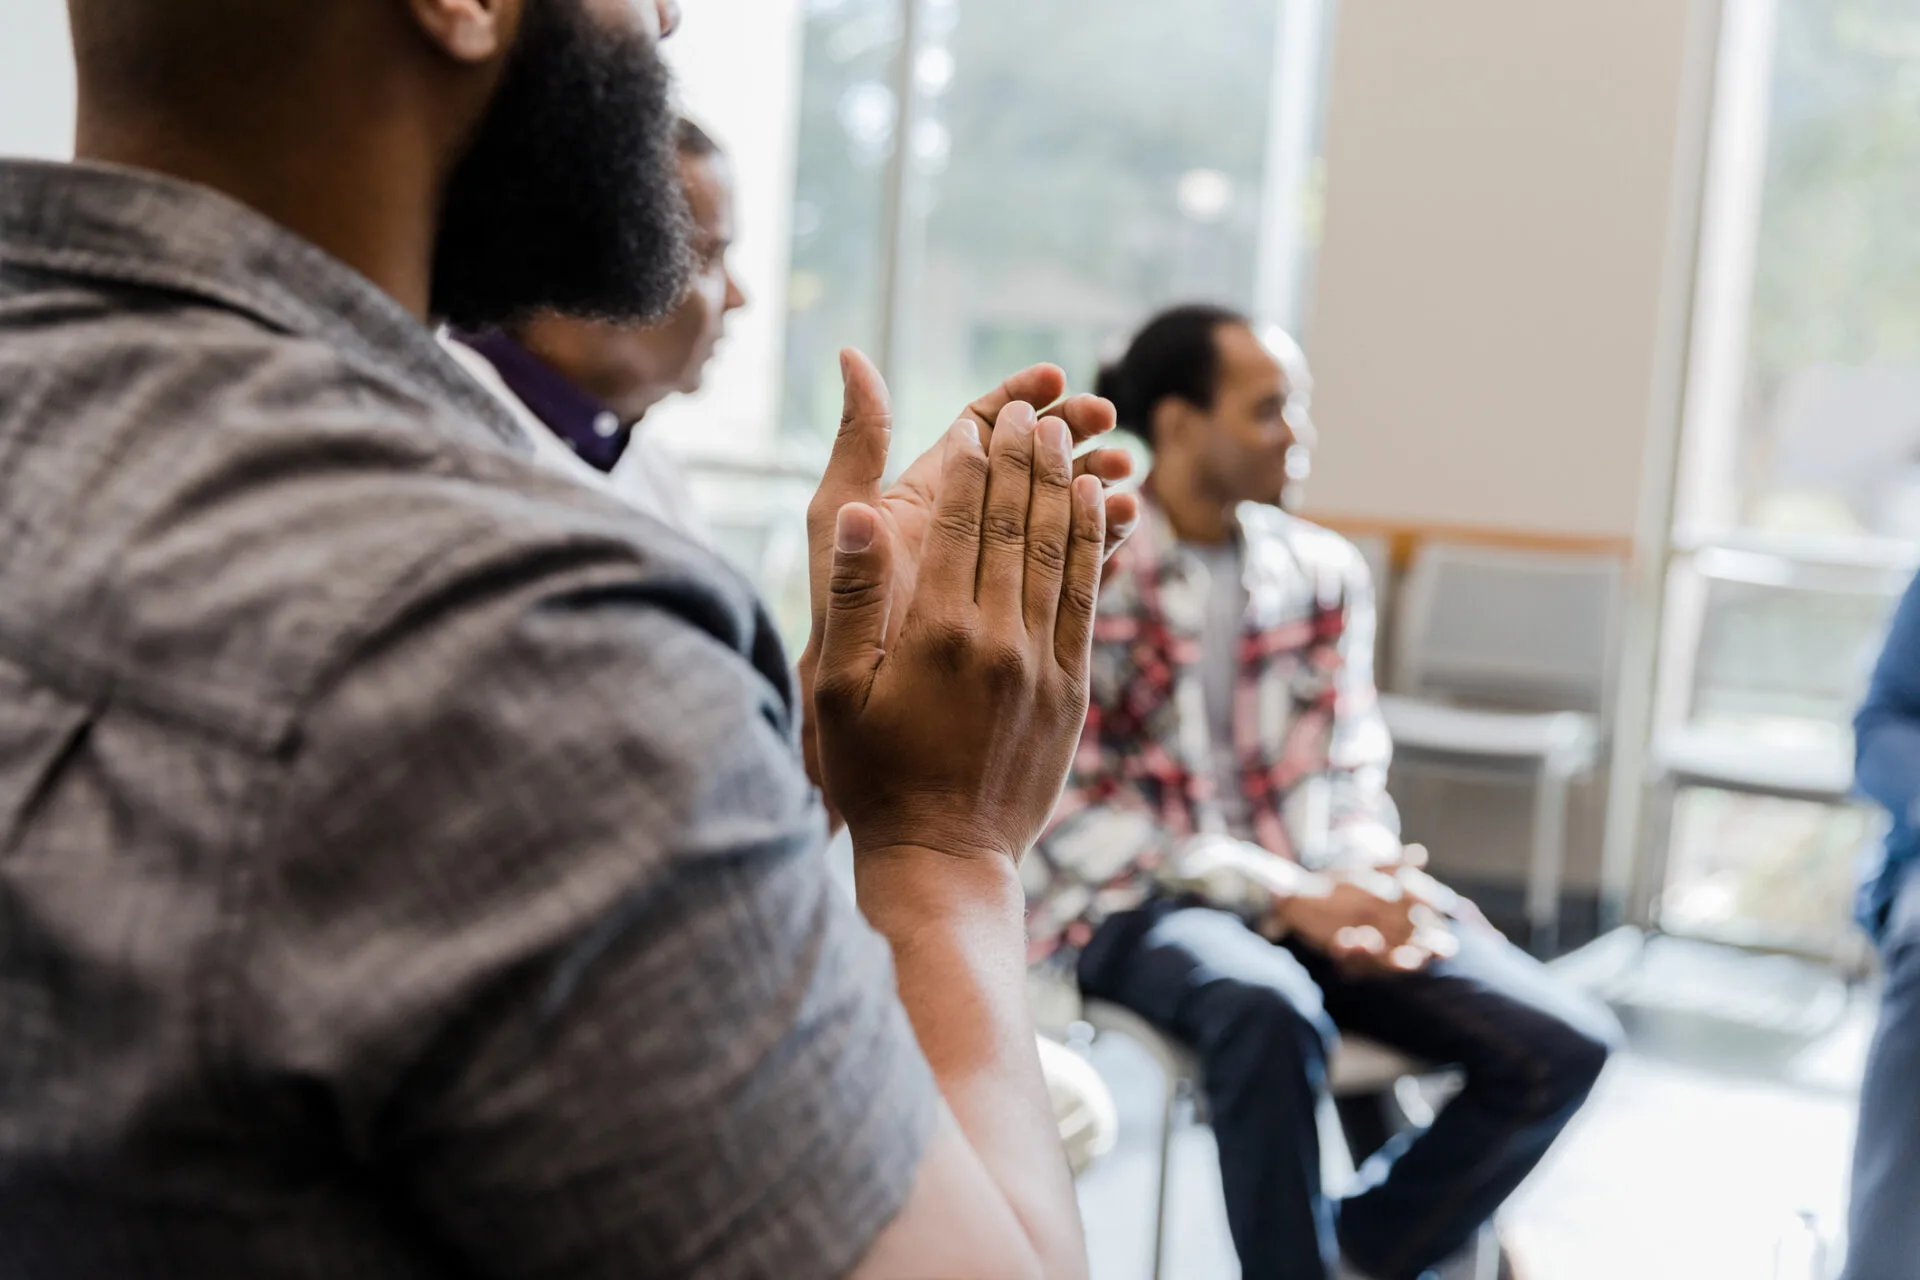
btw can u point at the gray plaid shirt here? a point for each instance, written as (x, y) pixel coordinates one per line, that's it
(405, 866)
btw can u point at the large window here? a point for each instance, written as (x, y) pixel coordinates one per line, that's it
(1798, 517)
(848, 114)
(1069, 165)
(1830, 428)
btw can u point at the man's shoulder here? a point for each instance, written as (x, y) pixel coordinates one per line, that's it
(213, 516)
(1314, 547)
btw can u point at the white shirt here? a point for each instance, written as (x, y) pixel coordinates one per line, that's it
(647, 478)
(1220, 645)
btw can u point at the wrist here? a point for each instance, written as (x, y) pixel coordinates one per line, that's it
(906, 886)
(1367, 844)
(1308, 887)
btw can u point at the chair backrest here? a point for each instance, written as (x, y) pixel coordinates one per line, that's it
(1515, 630)
(1378, 553)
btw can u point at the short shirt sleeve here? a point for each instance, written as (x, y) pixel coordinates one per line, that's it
(549, 915)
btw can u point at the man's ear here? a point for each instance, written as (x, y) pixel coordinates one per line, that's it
(469, 31)
(1172, 419)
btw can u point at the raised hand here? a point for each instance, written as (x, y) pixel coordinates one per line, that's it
(946, 716)
(904, 512)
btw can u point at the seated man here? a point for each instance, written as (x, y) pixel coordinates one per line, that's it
(581, 387)
(1884, 1229)
(1226, 862)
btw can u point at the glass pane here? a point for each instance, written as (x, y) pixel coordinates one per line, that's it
(1824, 472)
(1065, 188)
(758, 518)
(1758, 870)
(1779, 671)
(846, 139)
(1830, 440)
(1796, 662)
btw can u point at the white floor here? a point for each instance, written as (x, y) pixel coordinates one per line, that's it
(1695, 1160)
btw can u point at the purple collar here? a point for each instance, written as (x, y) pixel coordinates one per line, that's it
(591, 429)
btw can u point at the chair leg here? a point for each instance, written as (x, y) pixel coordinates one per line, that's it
(1169, 1121)
(1486, 1254)
(1364, 1119)
(1548, 867)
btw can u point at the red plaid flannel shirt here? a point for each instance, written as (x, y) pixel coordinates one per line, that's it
(1312, 750)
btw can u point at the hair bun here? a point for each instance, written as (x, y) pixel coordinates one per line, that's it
(1111, 384)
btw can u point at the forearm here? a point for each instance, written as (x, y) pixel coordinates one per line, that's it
(957, 928)
(1888, 727)
(1363, 843)
(1890, 764)
(1234, 875)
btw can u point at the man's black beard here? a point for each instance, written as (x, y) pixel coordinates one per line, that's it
(569, 198)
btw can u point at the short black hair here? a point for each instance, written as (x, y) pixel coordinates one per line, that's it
(693, 142)
(1176, 356)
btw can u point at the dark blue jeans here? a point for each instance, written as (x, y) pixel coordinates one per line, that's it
(1885, 1215)
(1262, 1017)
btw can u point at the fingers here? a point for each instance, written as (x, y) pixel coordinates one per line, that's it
(1037, 387)
(1359, 950)
(1366, 951)
(1109, 466)
(1432, 934)
(1122, 518)
(1050, 519)
(859, 460)
(1409, 959)
(854, 471)
(1369, 959)
(1003, 537)
(1087, 417)
(860, 596)
(950, 561)
(1080, 584)
(1112, 466)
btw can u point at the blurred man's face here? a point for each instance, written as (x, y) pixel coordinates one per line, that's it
(685, 344)
(1256, 437)
(569, 198)
(672, 355)
(631, 368)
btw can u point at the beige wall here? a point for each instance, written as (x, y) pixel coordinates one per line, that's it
(1500, 187)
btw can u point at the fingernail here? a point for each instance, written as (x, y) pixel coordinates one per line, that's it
(967, 432)
(853, 531)
(1053, 435)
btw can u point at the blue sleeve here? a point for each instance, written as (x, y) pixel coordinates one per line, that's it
(1888, 727)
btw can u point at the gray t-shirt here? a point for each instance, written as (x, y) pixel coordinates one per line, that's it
(408, 868)
(1220, 649)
